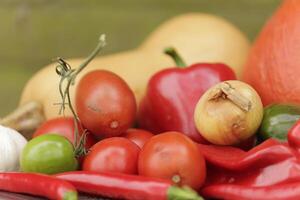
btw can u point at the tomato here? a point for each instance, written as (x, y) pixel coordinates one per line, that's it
(63, 126)
(114, 154)
(138, 136)
(105, 104)
(174, 156)
(48, 154)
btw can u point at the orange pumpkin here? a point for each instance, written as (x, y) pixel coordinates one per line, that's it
(273, 66)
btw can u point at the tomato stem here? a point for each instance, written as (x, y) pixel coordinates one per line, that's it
(176, 179)
(68, 75)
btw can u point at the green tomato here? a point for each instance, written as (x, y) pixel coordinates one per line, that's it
(48, 154)
(277, 120)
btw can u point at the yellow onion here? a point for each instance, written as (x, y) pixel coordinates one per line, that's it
(228, 113)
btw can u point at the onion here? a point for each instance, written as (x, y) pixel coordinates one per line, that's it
(228, 113)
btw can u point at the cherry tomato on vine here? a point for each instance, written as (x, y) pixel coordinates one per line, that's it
(105, 104)
(174, 156)
(114, 154)
(138, 136)
(64, 126)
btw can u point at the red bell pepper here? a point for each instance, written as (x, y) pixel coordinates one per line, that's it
(173, 93)
(124, 186)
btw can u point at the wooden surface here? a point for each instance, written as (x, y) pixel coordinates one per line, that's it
(35, 31)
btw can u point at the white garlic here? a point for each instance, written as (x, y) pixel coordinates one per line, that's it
(11, 146)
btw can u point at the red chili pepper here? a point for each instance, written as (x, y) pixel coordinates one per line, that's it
(271, 170)
(173, 93)
(267, 153)
(37, 184)
(282, 172)
(289, 191)
(125, 186)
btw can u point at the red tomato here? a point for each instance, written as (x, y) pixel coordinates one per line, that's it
(174, 156)
(138, 136)
(105, 104)
(114, 154)
(63, 126)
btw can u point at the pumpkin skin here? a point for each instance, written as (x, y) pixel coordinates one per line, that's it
(273, 65)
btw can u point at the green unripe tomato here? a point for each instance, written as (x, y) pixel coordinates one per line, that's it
(48, 154)
(277, 120)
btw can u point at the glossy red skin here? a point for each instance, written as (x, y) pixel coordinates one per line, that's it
(64, 126)
(288, 191)
(105, 104)
(232, 158)
(119, 186)
(270, 170)
(294, 135)
(255, 168)
(257, 176)
(114, 154)
(35, 184)
(172, 153)
(172, 95)
(138, 136)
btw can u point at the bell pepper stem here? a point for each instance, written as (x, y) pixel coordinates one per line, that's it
(175, 56)
(184, 193)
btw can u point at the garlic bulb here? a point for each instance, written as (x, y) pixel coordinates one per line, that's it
(11, 146)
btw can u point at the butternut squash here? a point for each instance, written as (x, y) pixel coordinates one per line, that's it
(197, 37)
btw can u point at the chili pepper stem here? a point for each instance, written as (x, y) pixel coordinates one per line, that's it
(184, 193)
(71, 196)
(175, 56)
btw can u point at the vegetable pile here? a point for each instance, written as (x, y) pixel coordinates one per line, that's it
(189, 132)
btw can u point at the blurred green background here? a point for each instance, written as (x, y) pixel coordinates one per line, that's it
(33, 32)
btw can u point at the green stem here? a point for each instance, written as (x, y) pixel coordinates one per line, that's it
(70, 196)
(98, 48)
(184, 193)
(176, 57)
(69, 75)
